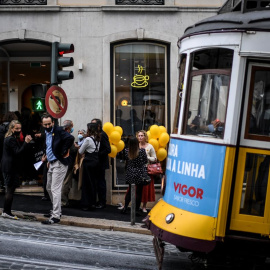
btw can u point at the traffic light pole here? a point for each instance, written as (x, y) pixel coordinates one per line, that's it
(54, 64)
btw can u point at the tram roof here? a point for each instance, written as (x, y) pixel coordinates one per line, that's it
(232, 22)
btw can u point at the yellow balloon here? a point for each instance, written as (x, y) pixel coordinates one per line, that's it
(162, 129)
(164, 139)
(154, 143)
(161, 154)
(154, 130)
(113, 151)
(149, 135)
(118, 129)
(115, 137)
(120, 146)
(108, 128)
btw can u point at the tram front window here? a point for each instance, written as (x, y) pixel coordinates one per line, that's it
(208, 103)
(208, 92)
(255, 184)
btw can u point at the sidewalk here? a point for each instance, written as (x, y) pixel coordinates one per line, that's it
(109, 218)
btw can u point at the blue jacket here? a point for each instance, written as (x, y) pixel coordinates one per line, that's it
(61, 143)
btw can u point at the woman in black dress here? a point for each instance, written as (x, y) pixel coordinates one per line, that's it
(90, 149)
(136, 159)
(12, 158)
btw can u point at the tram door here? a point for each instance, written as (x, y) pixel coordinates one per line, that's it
(251, 201)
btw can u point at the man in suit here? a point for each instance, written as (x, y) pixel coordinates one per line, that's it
(58, 143)
(104, 150)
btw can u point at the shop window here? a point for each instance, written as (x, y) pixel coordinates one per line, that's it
(208, 93)
(139, 92)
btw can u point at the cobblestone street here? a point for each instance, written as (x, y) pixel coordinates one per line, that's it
(30, 245)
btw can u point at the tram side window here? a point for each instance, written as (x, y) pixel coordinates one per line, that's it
(255, 184)
(208, 93)
(182, 68)
(258, 120)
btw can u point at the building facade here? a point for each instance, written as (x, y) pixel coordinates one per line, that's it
(125, 59)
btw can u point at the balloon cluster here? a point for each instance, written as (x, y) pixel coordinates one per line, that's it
(159, 138)
(114, 134)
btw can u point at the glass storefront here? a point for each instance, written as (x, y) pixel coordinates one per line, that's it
(139, 92)
(3, 82)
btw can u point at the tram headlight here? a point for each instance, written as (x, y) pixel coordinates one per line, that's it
(169, 218)
(163, 185)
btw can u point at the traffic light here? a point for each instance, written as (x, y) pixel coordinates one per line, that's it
(38, 97)
(58, 62)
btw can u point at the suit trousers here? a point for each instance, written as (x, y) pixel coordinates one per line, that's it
(55, 177)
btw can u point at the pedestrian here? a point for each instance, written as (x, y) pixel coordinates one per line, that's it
(136, 159)
(7, 118)
(90, 165)
(67, 184)
(58, 143)
(81, 137)
(104, 150)
(12, 157)
(148, 193)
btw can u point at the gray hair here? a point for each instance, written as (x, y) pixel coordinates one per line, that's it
(82, 130)
(67, 124)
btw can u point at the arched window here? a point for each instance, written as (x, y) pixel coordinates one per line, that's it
(140, 91)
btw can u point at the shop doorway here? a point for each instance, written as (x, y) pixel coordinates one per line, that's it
(27, 63)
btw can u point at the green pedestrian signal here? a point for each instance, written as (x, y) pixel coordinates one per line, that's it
(38, 104)
(38, 97)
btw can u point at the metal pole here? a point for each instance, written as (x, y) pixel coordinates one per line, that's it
(133, 204)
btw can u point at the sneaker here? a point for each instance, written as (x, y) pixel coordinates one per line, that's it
(50, 221)
(49, 214)
(45, 199)
(25, 183)
(33, 182)
(144, 210)
(101, 206)
(11, 216)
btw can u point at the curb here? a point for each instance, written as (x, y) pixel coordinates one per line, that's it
(105, 224)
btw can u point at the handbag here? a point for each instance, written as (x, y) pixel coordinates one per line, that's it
(146, 180)
(154, 169)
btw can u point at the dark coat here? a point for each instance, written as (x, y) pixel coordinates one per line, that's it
(61, 143)
(104, 150)
(12, 155)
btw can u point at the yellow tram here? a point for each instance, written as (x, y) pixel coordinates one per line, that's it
(217, 196)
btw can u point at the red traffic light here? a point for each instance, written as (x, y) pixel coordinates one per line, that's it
(65, 48)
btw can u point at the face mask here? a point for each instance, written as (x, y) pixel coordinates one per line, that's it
(80, 136)
(48, 129)
(17, 133)
(72, 129)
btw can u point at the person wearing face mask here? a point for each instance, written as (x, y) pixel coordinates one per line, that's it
(67, 184)
(12, 157)
(58, 143)
(81, 137)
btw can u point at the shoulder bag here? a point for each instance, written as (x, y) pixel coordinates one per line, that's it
(154, 169)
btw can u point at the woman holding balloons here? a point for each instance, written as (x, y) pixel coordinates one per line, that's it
(148, 194)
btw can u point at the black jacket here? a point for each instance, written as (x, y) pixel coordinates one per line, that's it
(61, 143)
(104, 150)
(12, 155)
